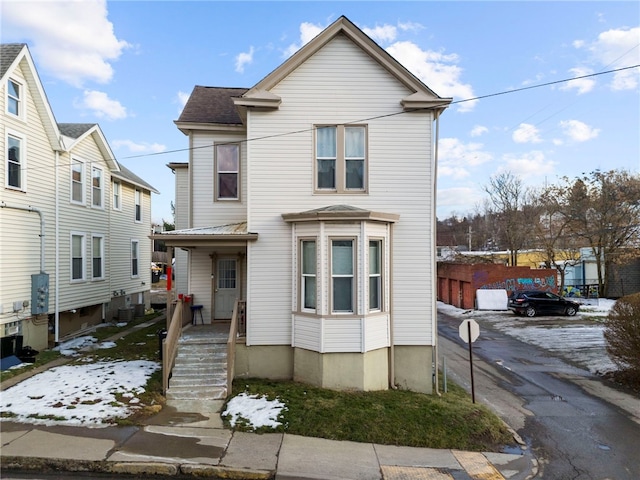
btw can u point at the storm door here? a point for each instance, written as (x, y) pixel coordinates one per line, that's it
(226, 288)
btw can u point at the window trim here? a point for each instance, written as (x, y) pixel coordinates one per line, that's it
(20, 100)
(102, 259)
(77, 161)
(380, 275)
(302, 276)
(216, 173)
(83, 257)
(22, 161)
(353, 276)
(117, 195)
(134, 241)
(340, 161)
(137, 205)
(94, 169)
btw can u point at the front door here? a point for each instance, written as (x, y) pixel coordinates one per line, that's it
(225, 288)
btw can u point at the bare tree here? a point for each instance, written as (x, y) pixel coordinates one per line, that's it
(508, 199)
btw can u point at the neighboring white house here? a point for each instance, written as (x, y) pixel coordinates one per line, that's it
(311, 196)
(74, 224)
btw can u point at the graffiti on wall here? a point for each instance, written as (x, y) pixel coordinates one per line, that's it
(525, 283)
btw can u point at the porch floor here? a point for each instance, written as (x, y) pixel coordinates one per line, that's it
(217, 332)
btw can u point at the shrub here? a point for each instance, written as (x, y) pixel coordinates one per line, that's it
(622, 333)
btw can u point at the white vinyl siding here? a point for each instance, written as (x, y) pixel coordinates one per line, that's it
(399, 181)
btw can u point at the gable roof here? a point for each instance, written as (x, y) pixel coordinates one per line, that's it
(14, 55)
(76, 132)
(422, 96)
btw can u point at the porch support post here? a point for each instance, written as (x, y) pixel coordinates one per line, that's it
(214, 280)
(240, 272)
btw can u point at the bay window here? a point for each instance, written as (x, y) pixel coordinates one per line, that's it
(342, 276)
(375, 275)
(308, 281)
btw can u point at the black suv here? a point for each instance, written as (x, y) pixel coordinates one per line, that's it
(533, 302)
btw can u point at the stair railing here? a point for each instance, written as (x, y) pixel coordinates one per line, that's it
(170, 342)
(237, 320)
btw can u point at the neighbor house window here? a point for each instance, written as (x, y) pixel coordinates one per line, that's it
(227, 172)
(375, 275)
(342, 278)
(341, 158)
(117, 198)
(77, 181)
(15, 162)
(96, 187)
(135, 244)
(14, 98)
(77, 256)
(308, 270)
(97, 257)
(138, 203)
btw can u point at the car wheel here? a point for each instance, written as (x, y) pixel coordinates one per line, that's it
(571, 311)
(530, 312)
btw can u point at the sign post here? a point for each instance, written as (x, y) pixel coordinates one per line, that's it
(469, 332)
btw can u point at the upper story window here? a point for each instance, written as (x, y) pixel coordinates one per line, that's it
(308, 282)
(14, 98)
(96, 187)
(77, 181)
(341, 159)
(342, 276)
(117, 196)
(138, 205)
(227, 172)
(15, 163)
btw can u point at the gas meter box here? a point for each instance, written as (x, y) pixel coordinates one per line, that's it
(39, 293)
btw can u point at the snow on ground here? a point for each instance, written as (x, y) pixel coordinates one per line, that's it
(578, 339)
(254, 411)
(70, 348)
(92, 394)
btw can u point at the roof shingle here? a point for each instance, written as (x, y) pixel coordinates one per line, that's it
(212, 105)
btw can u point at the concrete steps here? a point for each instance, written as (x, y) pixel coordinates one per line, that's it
(200, 370)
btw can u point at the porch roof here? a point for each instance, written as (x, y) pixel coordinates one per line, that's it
(229, 234)
(340, 212)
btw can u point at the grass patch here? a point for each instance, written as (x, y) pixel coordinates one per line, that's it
(391, 417)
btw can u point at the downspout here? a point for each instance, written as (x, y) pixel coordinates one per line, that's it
(392, 355)
(434, 271)
(32, 209)
(56, 270)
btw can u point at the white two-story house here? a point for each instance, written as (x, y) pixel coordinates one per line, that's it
(311, 197)
(74, 224)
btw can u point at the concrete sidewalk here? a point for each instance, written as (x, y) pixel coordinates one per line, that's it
(189, 440)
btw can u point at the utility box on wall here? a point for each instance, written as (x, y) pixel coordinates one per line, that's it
(39, 293)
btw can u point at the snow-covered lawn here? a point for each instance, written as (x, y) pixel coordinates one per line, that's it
(253, 411)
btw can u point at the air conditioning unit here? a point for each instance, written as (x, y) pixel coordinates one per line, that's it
(12, 329)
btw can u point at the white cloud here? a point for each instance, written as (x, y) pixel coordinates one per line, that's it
(436, 70)
(143, 147)
(73, 41)
(384, 33)
(102, 106)
(455, 159)
(307, 32)
(583, 85)
(526, 133)
(242, 59)
(527, 165)
(459, 199)
(410, 26)
(578, 131)
(182, 98)
(478, 130)
(617, 48)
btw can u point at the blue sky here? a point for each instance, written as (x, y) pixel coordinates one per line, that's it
(130, 66)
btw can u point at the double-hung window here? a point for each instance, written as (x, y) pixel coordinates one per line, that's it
(77, 181)
(135, 251)
(15, 162)
(227, 172)
(138, 205)
(375, 275)
(14, 98)
(308, 271)
(77, 256)
(97, 257)
(96, 187)
(342, 276)
(341, 158)
(117, 198)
